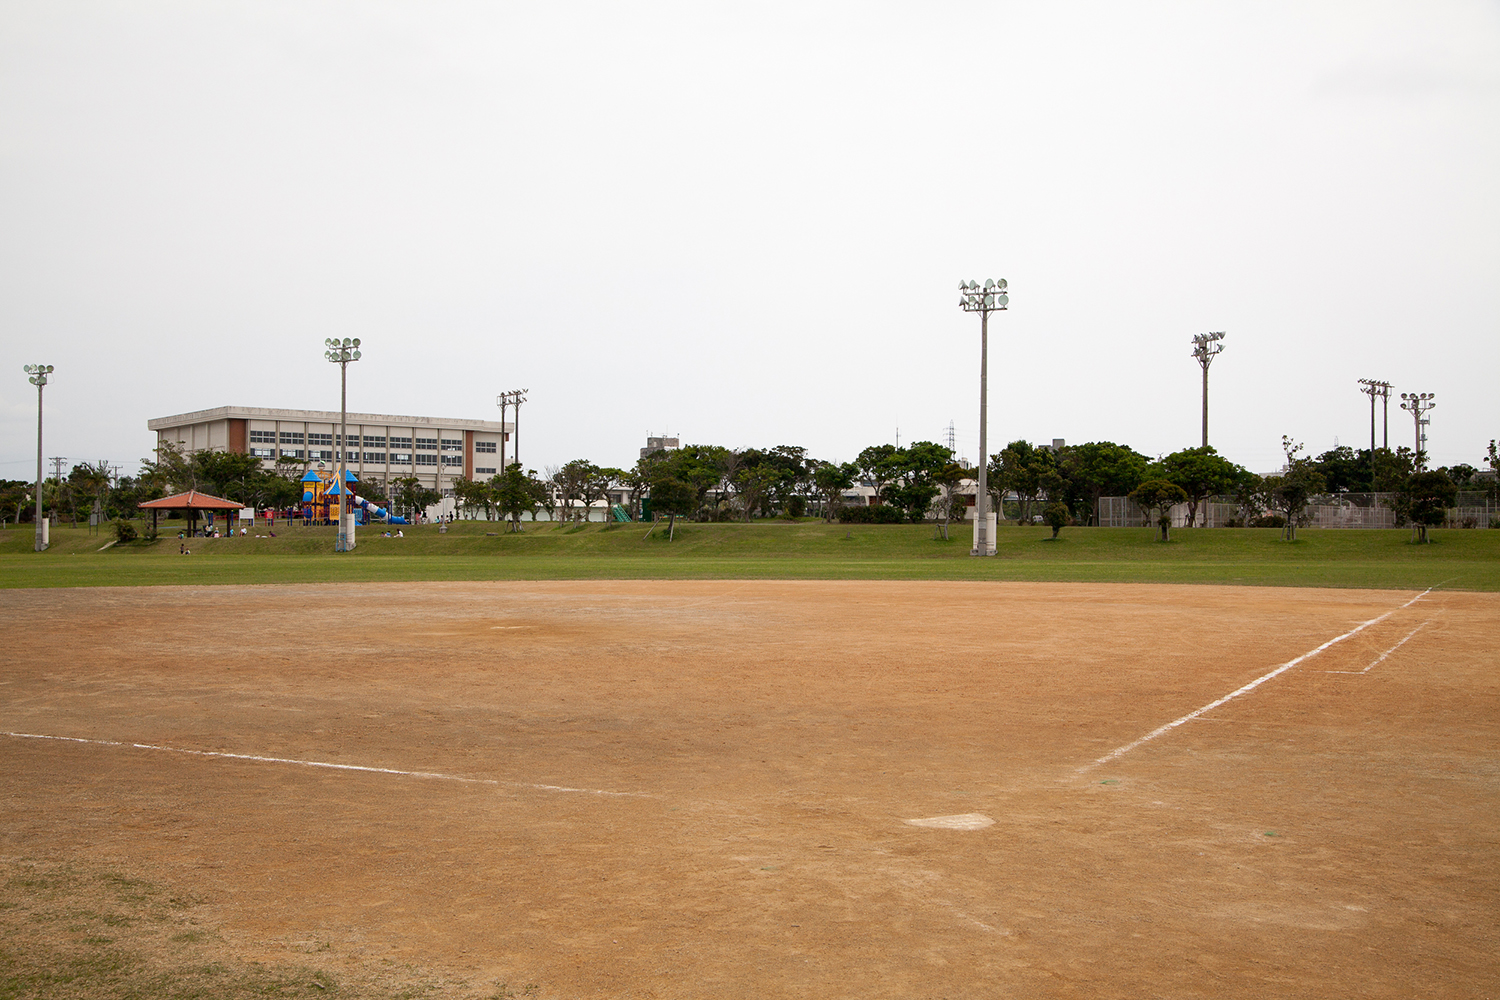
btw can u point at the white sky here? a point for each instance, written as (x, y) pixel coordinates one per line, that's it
(746, 223)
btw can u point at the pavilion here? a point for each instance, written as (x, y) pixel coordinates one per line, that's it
(192, 501)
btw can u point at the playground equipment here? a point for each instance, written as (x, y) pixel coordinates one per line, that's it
(379, 513)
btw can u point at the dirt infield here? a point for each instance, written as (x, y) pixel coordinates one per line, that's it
(699, 789)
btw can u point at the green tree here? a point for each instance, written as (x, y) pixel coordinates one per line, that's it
(1424, 500)
(878, 465)
(1025, 470)
(411, 497)
(831, 481)
(1101, 469)
(1161, 496)
(914, 474)
(1056, 516)
(1290, 492)
(673, 497)
(15, 494)
(518, 492)
(1344, 470)
(1202, 473)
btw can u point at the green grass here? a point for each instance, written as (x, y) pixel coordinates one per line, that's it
(478, 550)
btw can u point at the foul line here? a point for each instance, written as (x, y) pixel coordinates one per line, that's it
(1381, 658)
(332, 766)
(1122, 751)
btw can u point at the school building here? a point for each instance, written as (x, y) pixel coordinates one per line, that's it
(382, 446)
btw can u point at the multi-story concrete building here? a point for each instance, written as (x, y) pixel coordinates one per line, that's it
(382, 447)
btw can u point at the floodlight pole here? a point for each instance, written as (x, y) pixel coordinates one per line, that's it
(341, 352)
(513, 398)
(1418, 403)
(991, 298)
(38, 378)
(1206, 347)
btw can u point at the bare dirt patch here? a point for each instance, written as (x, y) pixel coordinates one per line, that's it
(706, 789)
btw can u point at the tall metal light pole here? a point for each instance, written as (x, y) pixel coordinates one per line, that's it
(991, 298)
(1419, 403)
(1206, 347)
(39, 375)
(513, 398)
(341, 352)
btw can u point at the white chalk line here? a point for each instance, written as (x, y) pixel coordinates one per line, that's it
(335, 767)
(1122, 751)
(1381, 658)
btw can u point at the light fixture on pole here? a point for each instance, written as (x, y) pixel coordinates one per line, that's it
(38, 378)
(984, 300)
(1206, 347)
(513, 398)
(341, 352)
(1418, 403)
(1376, 389)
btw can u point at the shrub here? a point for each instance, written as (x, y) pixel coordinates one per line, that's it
(1056, 516)
(124, 532)
(880, 513)
(1268, 521)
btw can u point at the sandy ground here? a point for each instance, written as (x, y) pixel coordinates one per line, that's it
(704, 789)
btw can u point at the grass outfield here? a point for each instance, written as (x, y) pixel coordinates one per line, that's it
(478, 550)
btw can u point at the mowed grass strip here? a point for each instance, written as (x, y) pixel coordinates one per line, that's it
(479, 550)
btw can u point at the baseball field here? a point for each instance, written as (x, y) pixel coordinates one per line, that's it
(749, 788)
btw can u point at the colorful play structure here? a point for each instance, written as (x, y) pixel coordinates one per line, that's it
(321, 494)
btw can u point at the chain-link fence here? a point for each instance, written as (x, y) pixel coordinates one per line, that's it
(1473, 509)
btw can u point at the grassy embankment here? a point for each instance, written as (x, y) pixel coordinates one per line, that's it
(1467, 560)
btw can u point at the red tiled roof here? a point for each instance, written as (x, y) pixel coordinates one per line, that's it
(193, 500)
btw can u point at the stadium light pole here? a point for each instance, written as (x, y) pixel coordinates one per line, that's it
(39, 375)
(341, 352)
(513, 398)
(1419, 403)
(990, 298)
(1206, 347)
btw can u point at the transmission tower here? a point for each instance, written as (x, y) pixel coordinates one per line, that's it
(951, 446)
(57, 464)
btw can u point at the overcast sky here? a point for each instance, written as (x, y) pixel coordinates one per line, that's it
(745, 224)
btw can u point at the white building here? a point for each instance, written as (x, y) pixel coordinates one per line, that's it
(382, 447)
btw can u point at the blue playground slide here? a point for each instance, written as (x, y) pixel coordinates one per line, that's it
(379, 513)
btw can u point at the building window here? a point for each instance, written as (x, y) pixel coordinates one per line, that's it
(291, 437)
(263, 452)
(453, 460)
(478, 471)
(374, 456)
(426, 460)
(374, 441)
(291, 453)
(320, 456)
(427, 444)
(397, 442)
(486, 447)
(400, 458)
(262, 437)
(453, 444)
(323, 439)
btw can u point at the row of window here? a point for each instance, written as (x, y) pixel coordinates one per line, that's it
(368, 441)
(369, 457)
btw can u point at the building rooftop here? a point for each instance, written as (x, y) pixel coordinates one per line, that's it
(322, 417)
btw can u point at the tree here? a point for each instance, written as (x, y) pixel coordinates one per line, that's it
(752, 483)
(831, 481)
(913, 476)
(1424, 501)
(1344, 470)
(1161, 496)
(517, 492)
(1289, 492)
(1100, 469)
(15, 493)
(1023, 469)
(877, 465)
(952, 500)
(673, 497)
(1056, 516)
(597, 484)
(411, 497)
(1202, 473)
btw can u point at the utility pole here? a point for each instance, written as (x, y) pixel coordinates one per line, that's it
(1206, 347)
(57, 464)
(1376, 389)
(991, 298)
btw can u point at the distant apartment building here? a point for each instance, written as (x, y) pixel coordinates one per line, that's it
(382, 447)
